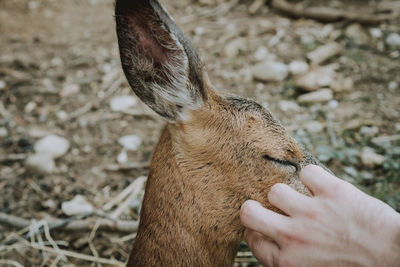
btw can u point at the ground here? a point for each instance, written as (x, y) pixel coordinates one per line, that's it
(49, 47)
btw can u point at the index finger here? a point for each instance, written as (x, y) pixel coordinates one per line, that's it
(262, 220)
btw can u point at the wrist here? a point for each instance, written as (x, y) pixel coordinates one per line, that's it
(391, 249)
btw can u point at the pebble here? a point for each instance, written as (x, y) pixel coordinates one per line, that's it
(62, 115)
(369, 131)
(3, 132)
(376, 32)
(356, 32)
(122, 157)
(30, 106)
(130, 142)
(270, 71)
(314, 126)
(370, 158)
(50, 204)
(123, 102)
(289, 106)
(234, 47)
(261, 53)
(41, 162)
(52, 145)
(69, 89)
(315, 79)
(297, 67)
(393, 85)
(77, 205)
(393, 40)
(322, 95)
(324, 52)
(341, 84)
(397, 126)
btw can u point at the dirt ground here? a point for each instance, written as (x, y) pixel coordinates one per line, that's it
(48, 46)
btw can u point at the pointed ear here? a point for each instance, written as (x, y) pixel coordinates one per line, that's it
(159, 62)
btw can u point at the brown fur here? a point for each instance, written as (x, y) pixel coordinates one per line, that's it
(201, 172)
(216, 151)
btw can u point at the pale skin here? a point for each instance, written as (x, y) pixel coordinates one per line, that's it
(338, 226)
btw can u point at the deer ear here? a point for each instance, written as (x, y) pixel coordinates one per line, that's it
(159, 62)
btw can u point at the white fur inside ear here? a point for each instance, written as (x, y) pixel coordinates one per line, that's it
(176, 90)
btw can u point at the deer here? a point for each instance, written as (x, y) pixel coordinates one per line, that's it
(216, 151)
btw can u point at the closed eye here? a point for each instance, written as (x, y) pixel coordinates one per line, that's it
(282, 162)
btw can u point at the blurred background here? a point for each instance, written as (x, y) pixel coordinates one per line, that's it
(75, 141)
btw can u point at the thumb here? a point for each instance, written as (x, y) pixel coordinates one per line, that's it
(264, 249)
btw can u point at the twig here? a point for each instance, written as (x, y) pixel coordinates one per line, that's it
(385, 138)
(128, 166)
(69, 224)
(118, 199)
(12, 157)
(75, 255)
(327, 14)
(138, 185)
(79, 112)
(11, 262)
(90, 241)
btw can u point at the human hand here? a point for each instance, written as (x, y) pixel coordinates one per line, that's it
(339, 226)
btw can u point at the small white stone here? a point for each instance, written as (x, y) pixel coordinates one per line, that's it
(397, 126)
(356, 32)
(199, 31)
(122, 157)
(322, 95)
(57, 62)
(369, 131)
(270, 71)
(87, 149)
(314, 126)
(261, 53)
(52, 145)
(123, 102)
(69, 89)
(376, 32)
(49, 204)
(234, 47)
(393, 85)
(324, 52)
(298, 67)
(30, 106)
(78, 205)
(130, 142)
(2, 84)
(333, 104)
(315, 79)
(370, 158)
(3, 132)
(61, 115)
(41, 162)
(393, 40)
(341, 84)
(289, 106)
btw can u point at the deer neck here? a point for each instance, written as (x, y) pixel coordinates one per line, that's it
(184, 221)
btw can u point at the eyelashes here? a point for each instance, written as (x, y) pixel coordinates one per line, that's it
(281, 162)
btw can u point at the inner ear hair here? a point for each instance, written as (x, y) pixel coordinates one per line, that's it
(158, 61)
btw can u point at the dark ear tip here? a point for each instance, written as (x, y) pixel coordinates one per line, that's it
(121, 5)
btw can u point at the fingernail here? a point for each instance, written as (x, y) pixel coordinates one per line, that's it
(308, 169)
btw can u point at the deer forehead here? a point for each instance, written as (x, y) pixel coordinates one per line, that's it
(233, 122)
